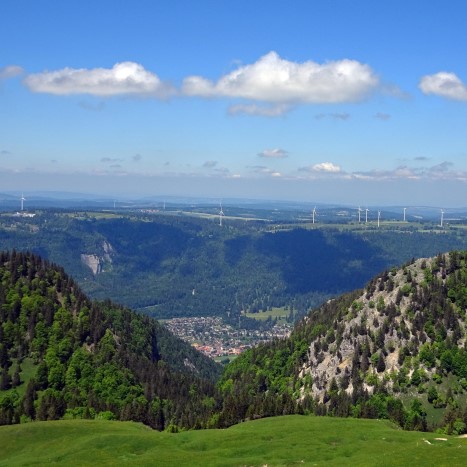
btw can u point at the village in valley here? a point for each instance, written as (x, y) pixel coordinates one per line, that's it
(218, 340)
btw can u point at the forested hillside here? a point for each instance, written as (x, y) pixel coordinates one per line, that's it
(62, 355)
(176, 265)
(395, 350)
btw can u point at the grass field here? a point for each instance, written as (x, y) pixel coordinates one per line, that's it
(280, 313)
(292, 440)
(28, 370)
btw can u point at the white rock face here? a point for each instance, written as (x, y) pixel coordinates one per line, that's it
(108, 251)
(93, 262)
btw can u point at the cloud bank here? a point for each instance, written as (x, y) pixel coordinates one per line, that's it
(443, 171)
(126, 78)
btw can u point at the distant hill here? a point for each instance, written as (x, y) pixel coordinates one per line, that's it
(175, 265)
(62, 355)
(396, 350)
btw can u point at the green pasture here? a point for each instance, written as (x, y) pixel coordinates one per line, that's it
(28, 370)
(291, 440)
(279, 313)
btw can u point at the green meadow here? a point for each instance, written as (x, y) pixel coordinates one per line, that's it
(280, 441)
(275, 313)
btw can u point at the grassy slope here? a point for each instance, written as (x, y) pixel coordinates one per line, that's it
(274, 441)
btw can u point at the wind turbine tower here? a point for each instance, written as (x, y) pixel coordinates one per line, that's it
(314, 214)
(23, 199)
(379, 217)
(221, 214)
(366, 215)
(405, 209)
(359, 214)
(442, 218)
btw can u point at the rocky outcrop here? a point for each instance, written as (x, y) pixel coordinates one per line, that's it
(97, 262)
(366, 341)
(93, 262)
(108, 251)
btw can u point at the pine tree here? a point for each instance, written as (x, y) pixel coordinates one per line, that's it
(16, 379)
(5, 379)
(28, 400)
(380, 366)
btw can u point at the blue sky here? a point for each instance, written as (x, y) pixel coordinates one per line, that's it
(358, 102)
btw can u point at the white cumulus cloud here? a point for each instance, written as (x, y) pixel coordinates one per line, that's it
(123, 78)
(444, 84)
(274, 79)
(328, 167)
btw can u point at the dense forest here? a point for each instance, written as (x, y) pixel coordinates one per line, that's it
(62, 355)
(176, 265)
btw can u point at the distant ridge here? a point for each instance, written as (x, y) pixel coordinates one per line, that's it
(65, 199)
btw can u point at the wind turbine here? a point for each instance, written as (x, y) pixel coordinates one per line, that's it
(366, 215)
(405, 209)
(314, 213)
(442, 218)
(359, 214)
(23, 199)
(221, 214)
(379, 216)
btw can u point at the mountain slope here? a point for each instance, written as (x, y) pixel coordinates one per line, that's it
(84, 359)
(394, 350)
(408, 325)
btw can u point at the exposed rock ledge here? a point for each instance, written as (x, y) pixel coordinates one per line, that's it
(93, 262)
